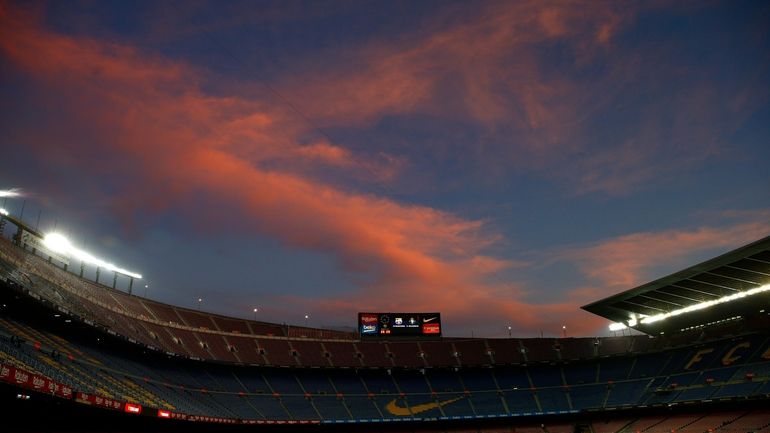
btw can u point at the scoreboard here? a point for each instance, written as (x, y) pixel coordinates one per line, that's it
(399, 324)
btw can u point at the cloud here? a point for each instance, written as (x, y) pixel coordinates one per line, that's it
(489, 59)
(561, 89)
(623, 262)
(144, 127)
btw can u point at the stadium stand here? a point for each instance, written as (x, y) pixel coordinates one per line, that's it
(473, 352)
(107, 346)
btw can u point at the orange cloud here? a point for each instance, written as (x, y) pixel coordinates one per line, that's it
(627, 261)
(170, 143)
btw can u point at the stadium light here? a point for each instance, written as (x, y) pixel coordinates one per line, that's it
(706, 304)
(3, 212)
(59, 244)
(633, 321)
(13, 192)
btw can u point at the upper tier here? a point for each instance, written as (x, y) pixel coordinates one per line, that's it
(207, 336)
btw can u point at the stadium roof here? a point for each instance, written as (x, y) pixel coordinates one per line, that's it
(695, 296)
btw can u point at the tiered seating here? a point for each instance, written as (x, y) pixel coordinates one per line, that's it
(473, 352)
(485, 395)
(576, 348)
(710, 422)
(342, 354)
(552, 400)
(417, 391)
(195, 319)
(642, 343)
(738, 389)
(614, 345)
(674, 423)
(580, 373)
(292, 395)
(164, 313)
(219, 390)
(315, 382)
(310, 353)
(610, 426)
(407, 354)
(431, 378)
(613, 369)
(521, 402)
(379, 382)
(355, 395)
(246, 349)
(231, 325)
(647, 365)
(756, 421)
(559, 428)
(540, 349)
(439, 353)
(545, 376)
(11, 252)
(217, 346)
(625, 393)
(645, 424)
(505, 351)
(131, 304)
(374, 354)
(160, 337)
(190, 342)
(269, 329)
(589, 396)
(332, 408)
(277, 352)
(512, 378)
(120, 312)
(445, 381)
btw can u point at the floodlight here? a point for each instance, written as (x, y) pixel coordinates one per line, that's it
(3, 212)
(706, 304)
(13, 192)
(617, 326)
(59, 244)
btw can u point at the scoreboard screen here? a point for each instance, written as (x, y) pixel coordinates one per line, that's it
(399, 324)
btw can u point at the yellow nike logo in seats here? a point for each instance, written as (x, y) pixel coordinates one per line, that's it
(394, 409)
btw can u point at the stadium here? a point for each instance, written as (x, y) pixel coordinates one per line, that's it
(435, 216)
(94, 358)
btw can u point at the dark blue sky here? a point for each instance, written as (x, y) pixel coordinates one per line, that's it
(500, 162)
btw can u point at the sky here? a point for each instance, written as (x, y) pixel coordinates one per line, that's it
(502, 163)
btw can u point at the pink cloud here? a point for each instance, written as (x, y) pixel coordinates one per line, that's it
(169, 143)
(627, 261)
